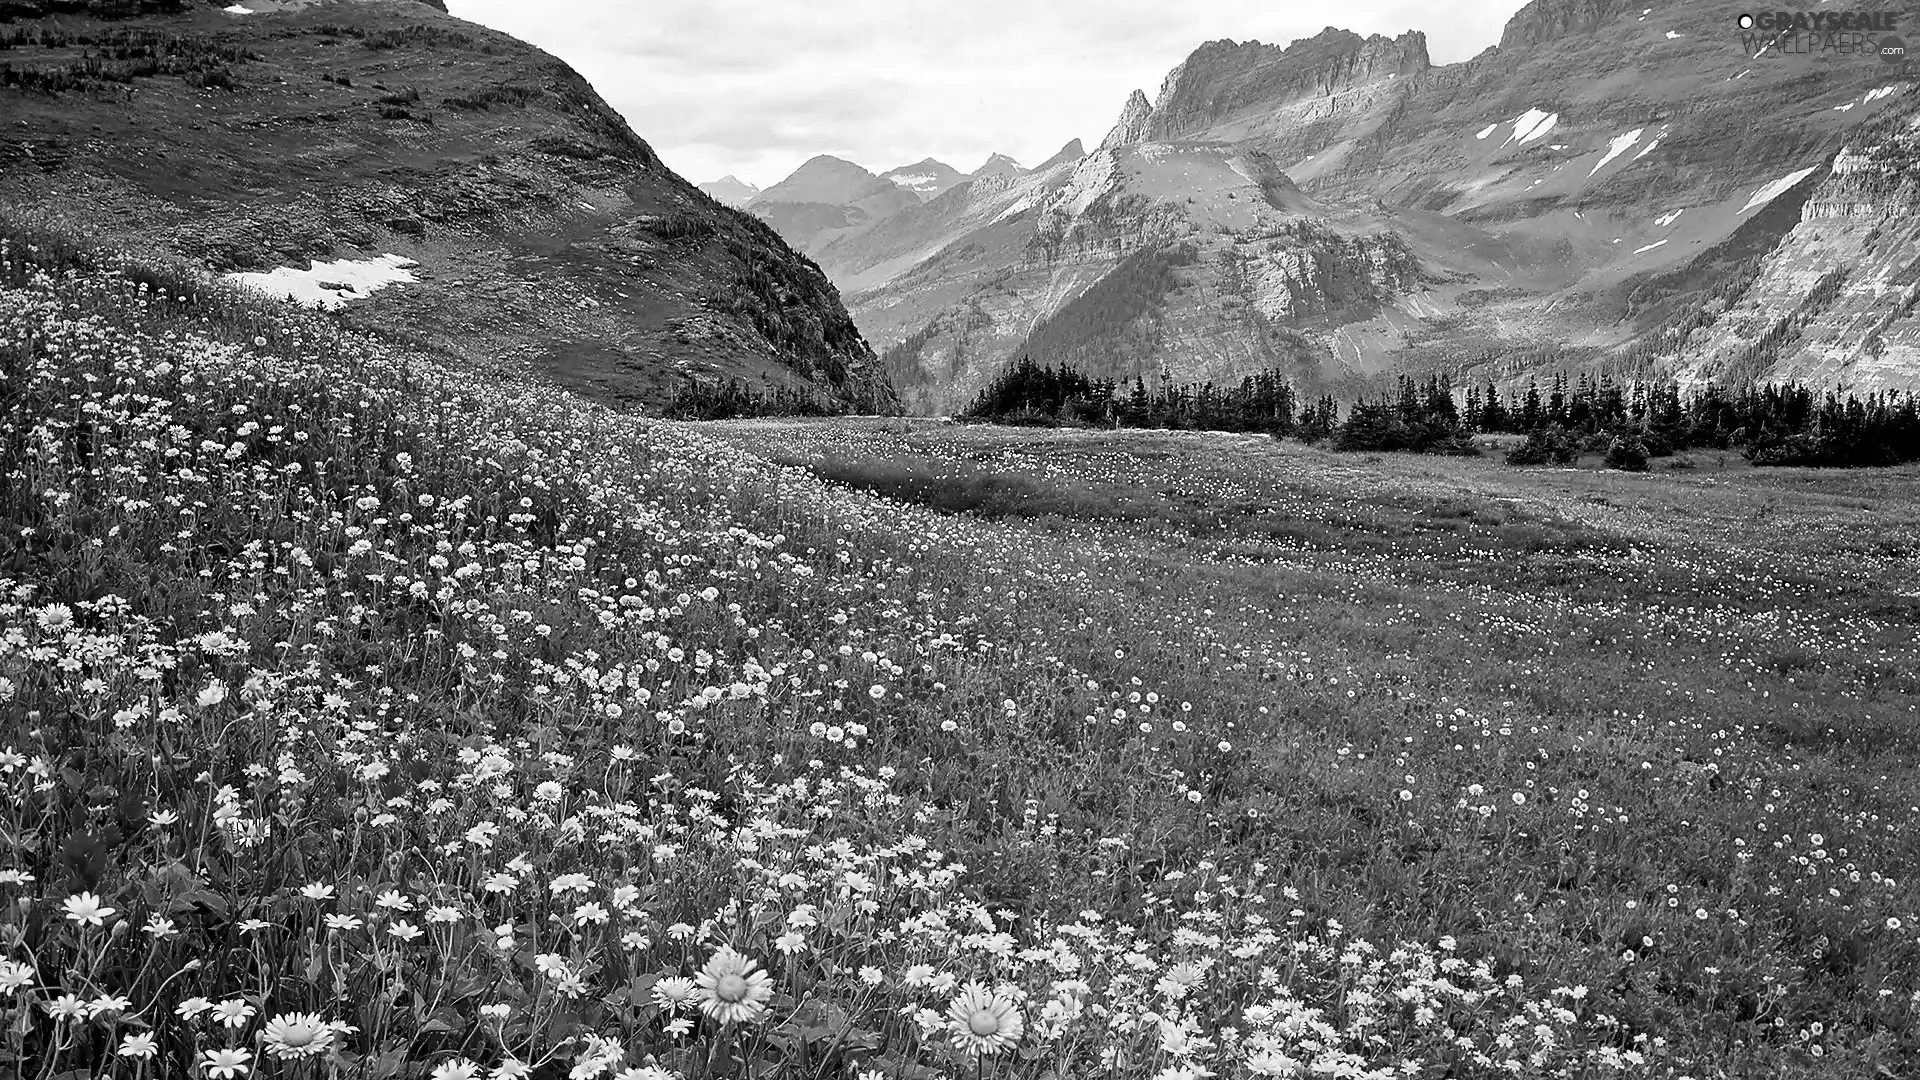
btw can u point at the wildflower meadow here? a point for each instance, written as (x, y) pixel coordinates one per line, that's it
(366, 716)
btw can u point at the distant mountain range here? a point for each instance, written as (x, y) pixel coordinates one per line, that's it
(1616, 186)
(828, 198)
(826, 178)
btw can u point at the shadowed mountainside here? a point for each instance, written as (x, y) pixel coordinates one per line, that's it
(547, 233)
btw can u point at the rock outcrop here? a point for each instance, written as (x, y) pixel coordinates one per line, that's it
(1837, 303)
(1131, 128)
(1547, 20)
(1221, 78)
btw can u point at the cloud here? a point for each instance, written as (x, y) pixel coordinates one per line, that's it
(754, 89)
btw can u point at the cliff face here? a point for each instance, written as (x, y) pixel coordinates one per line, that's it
(1837, 303)
(545, 232)
(1132, 126)
(1547, 20)
(1221, 78)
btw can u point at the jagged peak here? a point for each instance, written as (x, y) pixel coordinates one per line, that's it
(1413, 42)
(1192, 90)
(1067, 154)
(1132, 125)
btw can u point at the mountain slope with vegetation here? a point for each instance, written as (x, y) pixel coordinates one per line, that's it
(365, 713)
(547, 235)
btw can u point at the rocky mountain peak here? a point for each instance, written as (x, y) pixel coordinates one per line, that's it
(1132, 125)
(1067, 154)
(1548, 20)
(1224, 76)
(998, 165)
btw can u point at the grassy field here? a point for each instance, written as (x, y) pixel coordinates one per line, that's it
(361, 717)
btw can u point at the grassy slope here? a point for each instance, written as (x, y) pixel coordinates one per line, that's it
(344, 618)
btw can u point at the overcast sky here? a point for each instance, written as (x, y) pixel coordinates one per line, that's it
(755, 87)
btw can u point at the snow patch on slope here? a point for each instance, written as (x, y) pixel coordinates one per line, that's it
(1486, 131)
(1618, 146)
(330, 284)
(1777, 188)
(920, 182)
(1649, 247)
(1665, 220)
(1531, 125)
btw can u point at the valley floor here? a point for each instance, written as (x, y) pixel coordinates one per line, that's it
(354, 711)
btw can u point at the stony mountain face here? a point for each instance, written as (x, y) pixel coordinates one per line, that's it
(1132, 127)
(1837, 302)
(1546, 20)
(1223, 78)
(547, 234)
(1567, 197)
(731, 191)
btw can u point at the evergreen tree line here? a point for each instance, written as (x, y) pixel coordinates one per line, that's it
(694, 399)
(1631, 422)
(1771, 425)
(1026, 393)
